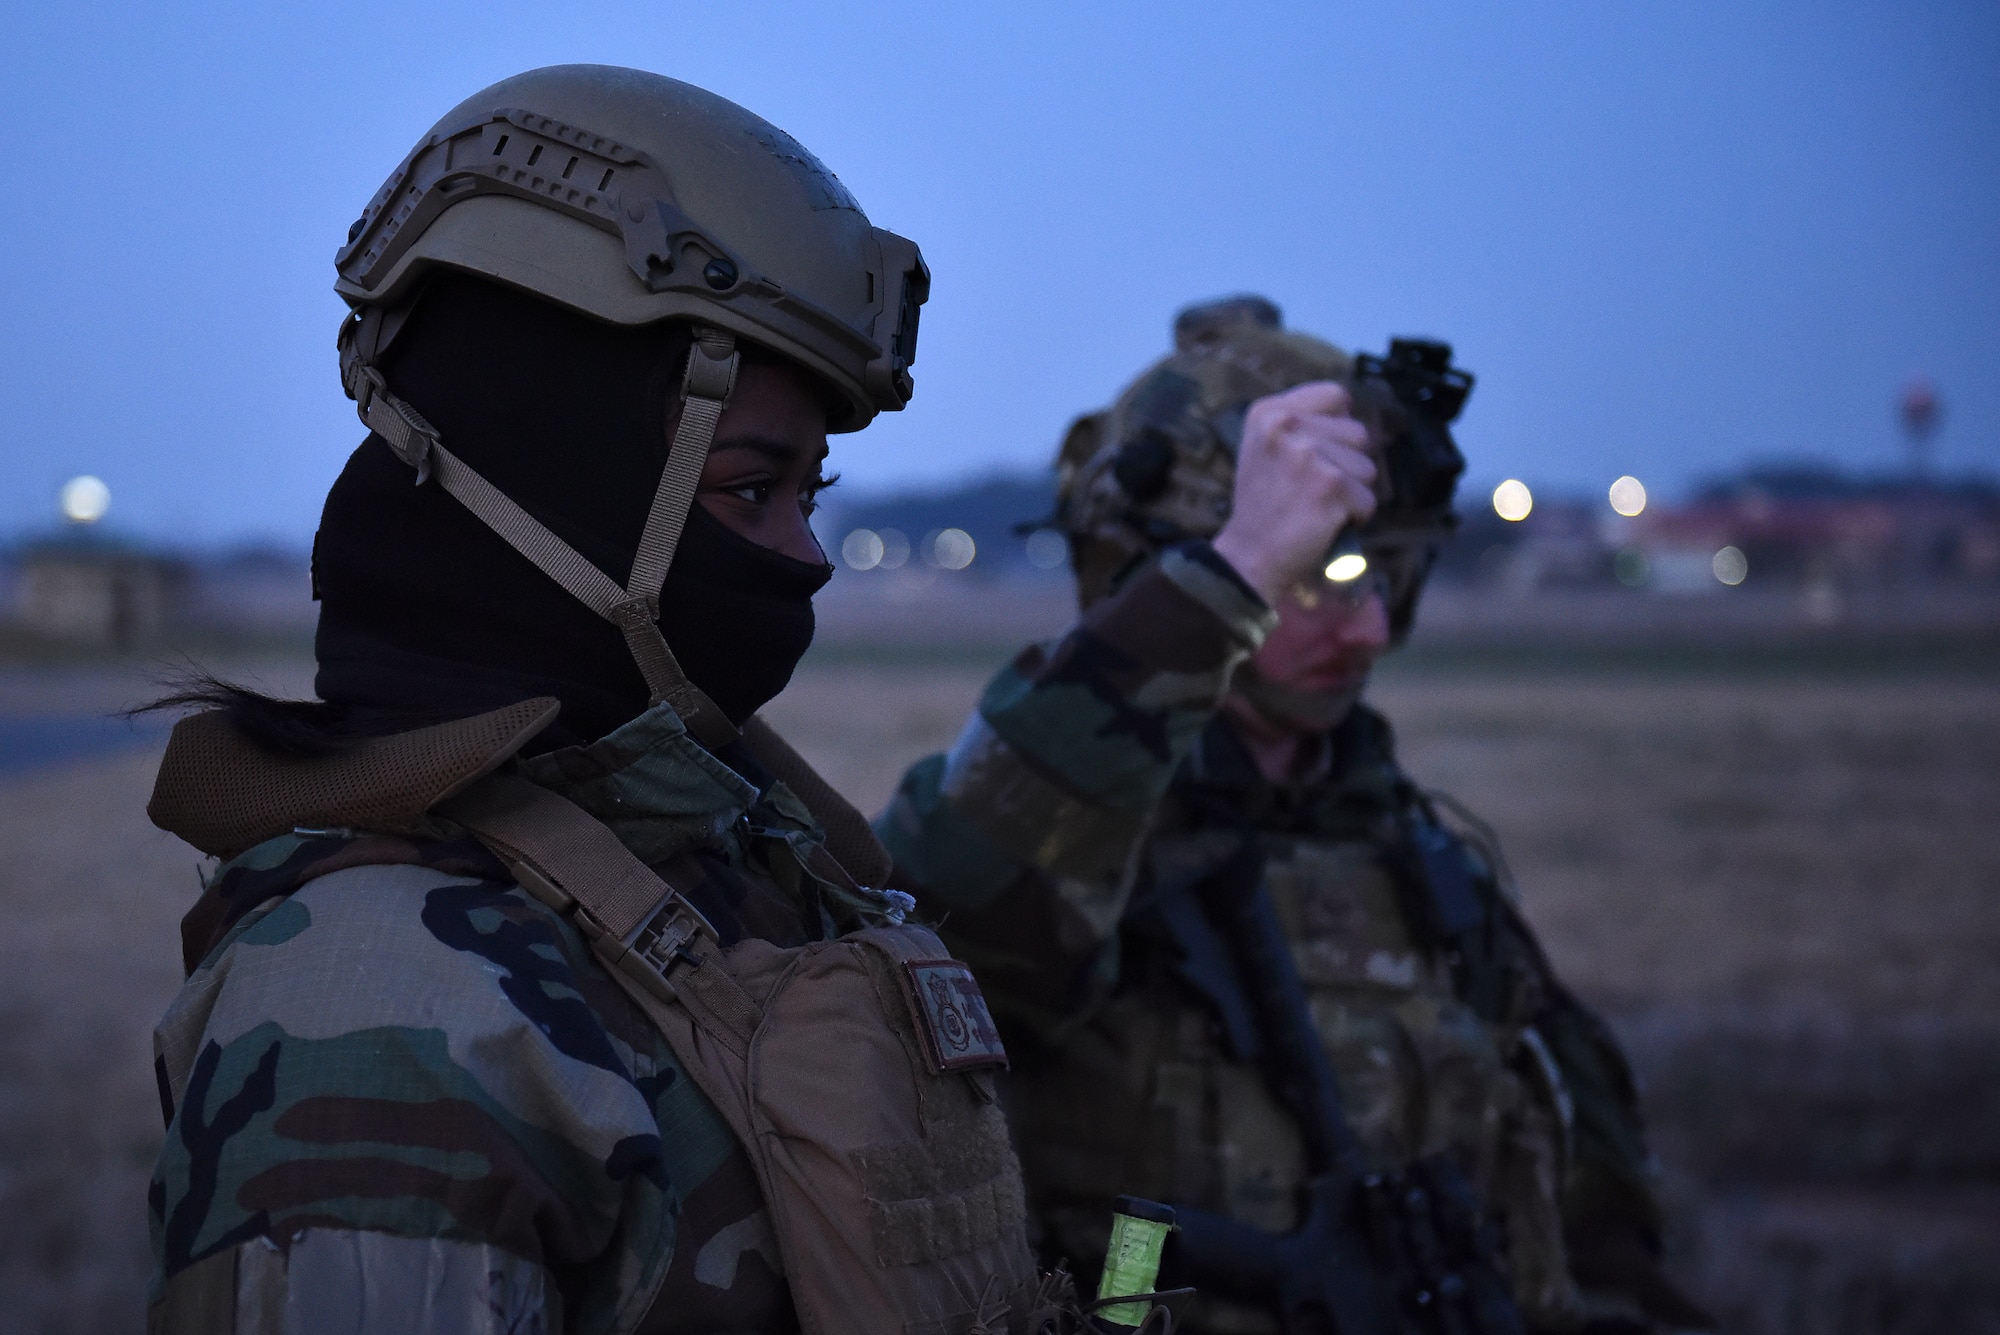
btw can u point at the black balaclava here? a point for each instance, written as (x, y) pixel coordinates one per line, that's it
(426, 612)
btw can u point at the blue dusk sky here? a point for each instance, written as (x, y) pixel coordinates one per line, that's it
(1669, 238)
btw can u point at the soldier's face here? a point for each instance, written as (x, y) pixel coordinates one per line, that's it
(1327, 638)
(763, 473)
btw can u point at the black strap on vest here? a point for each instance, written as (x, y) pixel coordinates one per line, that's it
(1379, 1253)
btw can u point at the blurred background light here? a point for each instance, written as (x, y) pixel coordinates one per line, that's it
(85, 499)
(895, 549)
(862, 549)
(1512, 500)
(1628, 496)
(1047, 549)
(952, 549)
(1730, 566)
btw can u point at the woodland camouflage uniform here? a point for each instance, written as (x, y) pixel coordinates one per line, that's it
(385, 1034)
(1097, 780)
(539, 986)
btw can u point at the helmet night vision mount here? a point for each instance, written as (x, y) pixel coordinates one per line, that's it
(1424, 462)
(1158, 466)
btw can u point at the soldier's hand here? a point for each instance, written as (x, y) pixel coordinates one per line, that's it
(1302, 473)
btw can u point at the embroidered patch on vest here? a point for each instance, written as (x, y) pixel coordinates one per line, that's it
(956, 1022)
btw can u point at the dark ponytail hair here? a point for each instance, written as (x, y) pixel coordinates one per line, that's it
(303, 729)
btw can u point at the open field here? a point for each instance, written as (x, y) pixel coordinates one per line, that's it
(1782, 890)
(1796, 848)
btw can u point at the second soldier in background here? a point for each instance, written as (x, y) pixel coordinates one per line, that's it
(1127, 801)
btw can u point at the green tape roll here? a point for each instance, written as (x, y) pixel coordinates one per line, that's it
(1132, 1263)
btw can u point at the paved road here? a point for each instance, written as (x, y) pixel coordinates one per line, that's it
(57, 714)
(34, 742)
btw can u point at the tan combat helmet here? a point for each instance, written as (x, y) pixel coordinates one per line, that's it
(632, 198)
(1159, 465)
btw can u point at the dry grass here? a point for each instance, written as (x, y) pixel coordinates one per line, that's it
(1799, 848)
(89, 911)
(1782, 890)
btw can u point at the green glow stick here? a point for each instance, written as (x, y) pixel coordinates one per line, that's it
(1132, 1264)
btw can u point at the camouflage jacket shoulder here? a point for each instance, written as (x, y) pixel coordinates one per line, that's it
(388, 1059)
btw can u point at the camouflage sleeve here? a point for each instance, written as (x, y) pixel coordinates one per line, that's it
(1024, 836)
(420, 1080)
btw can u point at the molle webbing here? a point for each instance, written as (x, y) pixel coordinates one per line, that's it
(637, 923)
(635, 607)
(522, 821)
(893, 1190)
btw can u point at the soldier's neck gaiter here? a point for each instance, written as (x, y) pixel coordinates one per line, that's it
(737, 615)
(425, 612)
(1291, 708)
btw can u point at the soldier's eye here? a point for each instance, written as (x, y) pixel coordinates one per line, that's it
(809, 493)
(756, 493)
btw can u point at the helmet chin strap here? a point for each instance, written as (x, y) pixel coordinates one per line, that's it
(634, 608)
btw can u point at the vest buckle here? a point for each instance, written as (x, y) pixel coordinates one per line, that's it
(665, 942)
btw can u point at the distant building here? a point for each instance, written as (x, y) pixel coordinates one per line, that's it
(85, 589)
(1813, 526)
(256, 591)
(1561, 544)
(1799, 527)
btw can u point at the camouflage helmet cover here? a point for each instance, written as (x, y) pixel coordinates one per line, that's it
(1159, 465)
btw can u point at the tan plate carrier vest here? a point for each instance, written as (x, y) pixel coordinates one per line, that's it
(857, 1073)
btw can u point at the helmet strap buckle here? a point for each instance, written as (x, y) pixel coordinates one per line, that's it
(402, 428)
(711, 366)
